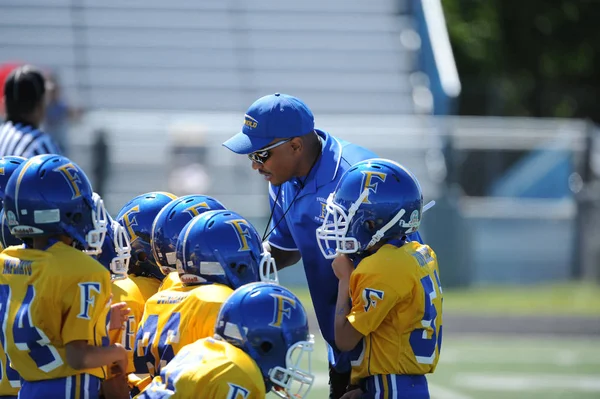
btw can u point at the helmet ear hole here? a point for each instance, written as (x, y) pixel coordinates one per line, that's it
(265, 347)
(369, 224)
(239, 268)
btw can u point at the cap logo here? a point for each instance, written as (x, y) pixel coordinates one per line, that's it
(250, 121)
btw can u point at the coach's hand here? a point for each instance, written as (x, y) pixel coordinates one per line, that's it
(342, 267)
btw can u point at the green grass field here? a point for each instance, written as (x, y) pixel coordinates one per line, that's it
(494, 367)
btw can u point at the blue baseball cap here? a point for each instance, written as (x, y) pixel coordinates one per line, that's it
(270, 117)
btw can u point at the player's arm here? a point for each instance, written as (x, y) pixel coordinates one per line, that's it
(346, 336)
(372, 299)
(86, 306)
(81, 355)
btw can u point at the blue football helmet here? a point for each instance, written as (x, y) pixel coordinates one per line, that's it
(50, 195)
(6, 238)
(222, 247)
(169, 223)
(374, 200)
(269, 323)
(8, 165)
(137, 217)
(116, 251)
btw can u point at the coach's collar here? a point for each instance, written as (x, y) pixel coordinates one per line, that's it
(326, 168)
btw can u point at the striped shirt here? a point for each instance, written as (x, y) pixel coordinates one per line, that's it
(25, 141)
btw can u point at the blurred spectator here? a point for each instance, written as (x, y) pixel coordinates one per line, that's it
(100, 161)
(25, 103)
(5, 70)
(58, 113)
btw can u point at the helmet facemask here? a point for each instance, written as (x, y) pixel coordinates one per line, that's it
(296, 379)
(95, 237)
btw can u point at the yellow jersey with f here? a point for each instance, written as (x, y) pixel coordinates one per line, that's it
(48, 299)
(397, 306)
(134, 291)
(171, 281)
(208, 368)
(174, 318)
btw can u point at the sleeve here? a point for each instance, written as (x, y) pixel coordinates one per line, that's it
(86, 304)
(372, 300)
(280, 236)
(44, 144)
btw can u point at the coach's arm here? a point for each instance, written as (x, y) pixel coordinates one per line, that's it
(282, 258)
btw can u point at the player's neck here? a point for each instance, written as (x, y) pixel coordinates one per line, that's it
(41, 243)
(27, 120)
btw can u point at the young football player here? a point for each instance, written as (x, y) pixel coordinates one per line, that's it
(166, 228)
(260, 345)
(216, 252)
(396, 310)
(55, 299)
(144, 277)
(9, 386)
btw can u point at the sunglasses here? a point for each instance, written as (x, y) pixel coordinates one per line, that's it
(263, 154)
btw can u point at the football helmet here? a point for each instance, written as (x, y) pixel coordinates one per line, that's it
(222, 247)
(8, 165)
(269, 323)
(6, 238)
(50, 195)
(375, 199)
(169, 222)
(137, 217)
(116, 250)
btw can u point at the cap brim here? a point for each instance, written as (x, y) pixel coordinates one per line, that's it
(241, 143)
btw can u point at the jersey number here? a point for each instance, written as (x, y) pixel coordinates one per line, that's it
(27, 337)
(157, 354)
(422, 344)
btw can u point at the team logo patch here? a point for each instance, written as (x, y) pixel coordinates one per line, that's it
(250, 122)
(371, 180)
(371, 297)
(73, 176)
(242, 229)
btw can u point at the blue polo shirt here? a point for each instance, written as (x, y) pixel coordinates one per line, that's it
(297, 230)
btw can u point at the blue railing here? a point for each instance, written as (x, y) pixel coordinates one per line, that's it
(436, 58)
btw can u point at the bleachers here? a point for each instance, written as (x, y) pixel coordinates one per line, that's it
(339, 56)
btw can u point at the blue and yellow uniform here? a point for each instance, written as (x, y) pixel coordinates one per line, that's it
(397, 306)
(135, 291)
(48, 299)
(170, 281)
(208, 368)
(175, 318)
(11, 380)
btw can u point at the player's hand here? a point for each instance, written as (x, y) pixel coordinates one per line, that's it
(342, 267)
(118, 315)
(354, 394)
(120, 366)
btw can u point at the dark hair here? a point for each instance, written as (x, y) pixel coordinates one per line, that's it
(24, 90)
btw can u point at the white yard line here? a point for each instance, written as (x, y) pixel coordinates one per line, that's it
(519, 382)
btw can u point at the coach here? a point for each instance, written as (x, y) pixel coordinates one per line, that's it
(303, 166)
(25, 102)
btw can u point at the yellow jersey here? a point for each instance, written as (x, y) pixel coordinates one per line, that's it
(175, 318)
(135, 291)
(208, 368)
(171, 280)
(397, 305)
(10, 380)
(48, 299)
